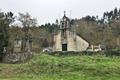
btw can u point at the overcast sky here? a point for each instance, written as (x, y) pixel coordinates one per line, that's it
(50, 10)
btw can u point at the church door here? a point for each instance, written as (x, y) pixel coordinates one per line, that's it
(64, 47)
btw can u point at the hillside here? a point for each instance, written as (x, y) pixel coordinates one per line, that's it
(48, 67)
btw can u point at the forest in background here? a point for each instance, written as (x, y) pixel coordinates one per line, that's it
(104, 31)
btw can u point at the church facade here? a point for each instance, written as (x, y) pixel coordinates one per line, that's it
(67, 40)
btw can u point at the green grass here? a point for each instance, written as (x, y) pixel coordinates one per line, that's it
(48, 67)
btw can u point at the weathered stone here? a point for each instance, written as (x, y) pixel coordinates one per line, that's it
(17, 57)
(67, 40)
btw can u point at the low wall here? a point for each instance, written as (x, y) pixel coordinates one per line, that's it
(105, 53)
(17, 57)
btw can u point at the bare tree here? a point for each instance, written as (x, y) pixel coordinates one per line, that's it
(27, 22)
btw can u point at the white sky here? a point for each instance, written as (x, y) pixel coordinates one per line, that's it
(50, 10)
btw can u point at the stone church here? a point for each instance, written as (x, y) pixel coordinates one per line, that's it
(67, 40)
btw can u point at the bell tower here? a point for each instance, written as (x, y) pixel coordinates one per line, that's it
(64, 30)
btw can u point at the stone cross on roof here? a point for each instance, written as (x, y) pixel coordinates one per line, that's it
(64, 13)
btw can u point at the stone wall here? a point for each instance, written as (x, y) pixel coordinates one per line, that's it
(74, 42)
(17, 57)
(82, 45)
(57, 42)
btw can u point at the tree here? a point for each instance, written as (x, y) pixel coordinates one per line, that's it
(27, 22)
(90, 18)
(5, 20)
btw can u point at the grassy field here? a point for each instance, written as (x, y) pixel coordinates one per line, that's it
(48, 67)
